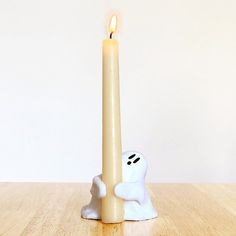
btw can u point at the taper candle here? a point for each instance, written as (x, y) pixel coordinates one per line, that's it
(112, 207)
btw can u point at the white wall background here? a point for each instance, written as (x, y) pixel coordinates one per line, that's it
(178, 83)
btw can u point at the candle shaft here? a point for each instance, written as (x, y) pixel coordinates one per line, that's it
(112, 207)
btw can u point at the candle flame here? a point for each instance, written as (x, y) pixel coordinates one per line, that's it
(113, 24)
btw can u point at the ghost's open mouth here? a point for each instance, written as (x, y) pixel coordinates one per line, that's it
(136, 160)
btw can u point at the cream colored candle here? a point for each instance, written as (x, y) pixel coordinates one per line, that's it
(112, 207)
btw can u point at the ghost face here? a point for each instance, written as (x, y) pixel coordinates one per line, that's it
(134, 167)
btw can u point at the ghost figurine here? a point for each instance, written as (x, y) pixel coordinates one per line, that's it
(137, 203)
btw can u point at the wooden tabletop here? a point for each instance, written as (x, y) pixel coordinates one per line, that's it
(54, 209)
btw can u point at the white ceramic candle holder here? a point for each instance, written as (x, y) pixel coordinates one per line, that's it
(137, 203)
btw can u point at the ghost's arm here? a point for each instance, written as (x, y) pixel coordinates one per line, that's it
(134, 191)
(98, 188)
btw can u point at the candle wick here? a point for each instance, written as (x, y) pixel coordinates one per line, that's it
(111, 35)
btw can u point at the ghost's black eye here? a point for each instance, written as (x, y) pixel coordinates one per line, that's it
(132, 156)
(136, 160)
(129, 162)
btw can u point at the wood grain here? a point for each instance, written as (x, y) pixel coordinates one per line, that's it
(54, 209)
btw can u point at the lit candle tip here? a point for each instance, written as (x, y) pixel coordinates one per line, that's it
(113, 24)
